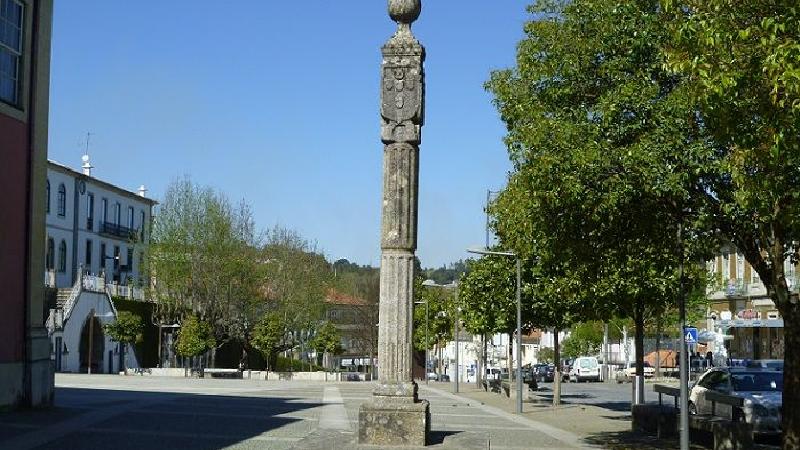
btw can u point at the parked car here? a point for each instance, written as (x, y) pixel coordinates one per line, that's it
(444, 377)
(585, 368)
(544, 373)
(432, 376)
(776, 364)
(352, 376)
(629, 371)
(492, 373)
(762, 390)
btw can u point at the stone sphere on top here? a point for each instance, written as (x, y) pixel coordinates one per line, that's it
(404, 11)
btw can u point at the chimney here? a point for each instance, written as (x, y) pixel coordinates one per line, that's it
(142, 191)
(87, 166)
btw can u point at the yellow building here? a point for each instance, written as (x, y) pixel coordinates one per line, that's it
(740, 307)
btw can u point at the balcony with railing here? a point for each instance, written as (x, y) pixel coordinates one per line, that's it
(114, 230)
(93, 283)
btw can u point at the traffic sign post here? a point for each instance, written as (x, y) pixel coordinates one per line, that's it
(690, 335)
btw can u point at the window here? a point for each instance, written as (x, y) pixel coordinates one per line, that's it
(10, 50)
(130, 217)
(116, 257)
(90, 212)
(141, 226)
(62, 200)
(129, 260)
(739, 266)
(48, 196)
(62, 256)
(50, 258)
(104, 204)
(88, 259)
(103, 254)
(117, 213)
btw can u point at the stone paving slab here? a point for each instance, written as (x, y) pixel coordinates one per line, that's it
(100, 412)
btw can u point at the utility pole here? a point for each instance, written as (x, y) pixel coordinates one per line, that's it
(684, 365)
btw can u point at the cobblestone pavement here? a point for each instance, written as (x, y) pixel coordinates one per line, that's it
(109, 411)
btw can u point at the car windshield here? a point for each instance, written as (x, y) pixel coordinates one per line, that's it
(757, 381)
(588, 363)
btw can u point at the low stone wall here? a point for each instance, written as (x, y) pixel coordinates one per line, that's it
(257, 375)
(300, 376)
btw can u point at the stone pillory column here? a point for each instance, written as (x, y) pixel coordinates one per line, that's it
(395, 415)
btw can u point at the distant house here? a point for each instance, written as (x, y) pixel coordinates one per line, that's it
(356, 321)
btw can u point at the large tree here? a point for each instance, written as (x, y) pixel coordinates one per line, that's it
(605, 158)
(741, 61)
(203, 261)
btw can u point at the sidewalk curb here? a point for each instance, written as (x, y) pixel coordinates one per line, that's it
(564, 436)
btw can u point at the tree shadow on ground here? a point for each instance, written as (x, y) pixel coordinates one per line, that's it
(623, 440)
(96, 418)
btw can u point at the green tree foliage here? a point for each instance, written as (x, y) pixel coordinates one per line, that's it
(488, 296)
(270, 337)
(600, 135)
(297, 278)
(585, 339)
(327, 340)
(128, 329)
(741, 61)
(546, 355)
(195, 337)
(441, 315)
(204, 261)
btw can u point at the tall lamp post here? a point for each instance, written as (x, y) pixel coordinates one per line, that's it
(519, 315)
(427, 342)
(453, 285)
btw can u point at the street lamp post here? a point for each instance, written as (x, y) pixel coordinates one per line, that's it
(519, 316)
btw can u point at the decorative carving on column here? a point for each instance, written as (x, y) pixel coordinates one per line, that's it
(396, 416)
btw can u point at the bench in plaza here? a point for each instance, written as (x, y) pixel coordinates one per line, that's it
(727, 432)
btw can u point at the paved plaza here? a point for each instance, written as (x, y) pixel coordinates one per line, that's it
(134, 412)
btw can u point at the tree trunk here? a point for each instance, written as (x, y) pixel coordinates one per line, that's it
(791, 376)
(557, 376)
(639, 348)
(510, 360)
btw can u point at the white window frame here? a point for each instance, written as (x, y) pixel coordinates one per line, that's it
(16, 53)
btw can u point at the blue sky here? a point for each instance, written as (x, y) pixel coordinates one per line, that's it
(277, 103)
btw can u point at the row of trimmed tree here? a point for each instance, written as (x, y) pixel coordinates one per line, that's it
(644, 135)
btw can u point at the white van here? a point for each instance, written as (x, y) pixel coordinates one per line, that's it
(585, 368)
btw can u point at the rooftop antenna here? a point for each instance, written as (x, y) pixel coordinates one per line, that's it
(88, 139)
(87, 166)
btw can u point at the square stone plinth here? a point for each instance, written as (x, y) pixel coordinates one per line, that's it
(392, 422)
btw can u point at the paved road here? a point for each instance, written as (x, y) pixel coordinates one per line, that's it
(107, 411)
(613, 396)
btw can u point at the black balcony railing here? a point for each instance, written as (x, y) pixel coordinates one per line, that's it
(118, 231)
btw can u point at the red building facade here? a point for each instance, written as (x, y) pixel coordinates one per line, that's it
(26, 375)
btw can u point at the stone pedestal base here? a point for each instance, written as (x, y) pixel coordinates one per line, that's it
(395, 416)
(384, 423)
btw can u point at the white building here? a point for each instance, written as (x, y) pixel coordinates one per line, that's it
(97, 234)
(94, 225)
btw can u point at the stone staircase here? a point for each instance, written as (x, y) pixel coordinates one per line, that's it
(62, 296)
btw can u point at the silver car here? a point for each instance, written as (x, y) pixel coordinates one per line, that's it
(762, 390)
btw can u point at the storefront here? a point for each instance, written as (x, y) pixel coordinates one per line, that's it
(753, 338)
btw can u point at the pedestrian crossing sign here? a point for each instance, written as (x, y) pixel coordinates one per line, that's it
(690, 334)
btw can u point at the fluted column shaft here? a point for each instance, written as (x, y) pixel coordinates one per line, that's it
(402, 114)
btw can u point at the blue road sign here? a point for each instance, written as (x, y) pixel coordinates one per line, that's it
(690, 334)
